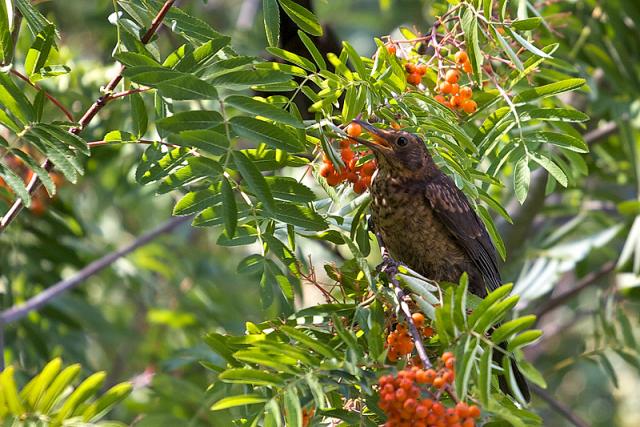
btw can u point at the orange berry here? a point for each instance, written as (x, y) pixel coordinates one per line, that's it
(439, 382)
(467, 67)
(334, 179)
(466, 92)
(421, 377)
(462, 409)
(452, 76)
(406, 384)
(410, 404)
(354, 129)
(368, 168)
(455, 101)
(401, 395)
(452, 417)
(430, 376)
(448, 377)
(352, 177)
(345, 143)
(437, 409)
(419, 424)
(474, 411)
(469, 106)
(421, 69)
(359, 187)
(326, 170)
(427, 332)
(461, 57)
(455, 88)
(450, 363)
(414, 78)
(391, 49)
(347, 154)
(445, 87)
(366, 181)
(410, 67)
(469, 423)
(448, 105)
(395, 125)
(441, 99)
(392, 355)
(418, 319)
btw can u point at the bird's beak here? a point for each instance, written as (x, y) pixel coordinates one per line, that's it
(381, 138)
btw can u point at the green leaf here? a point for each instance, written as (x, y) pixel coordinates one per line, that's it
(239, 400)
(230, 212)
(259, 108)
(14, 101)
(55, 390)
(189, 120)
(139, 114)
(487, 302)
(303, 18)
(484, 377)
(313, 50)
(465, 359)
(355, 59)
(299, 216)
(43, 175)
(309, 342)
(39, 52)
(293, 411)
(529, 95)
(10, 392)
(512, 327)
(562, 140)
(172, 84)
(197, 201)
(195, 168)
(493, 231)
(108, 400)
(470, 28)
(271, 13)
(525, 338)
(251, 376)
(264, 132)
(289, 189)
(522, 178)
(35, 21)
(527, 45)
(507, 48)
(294, 58)
(527, 24)
(206, 140)
(6, 42)
(41, 382)
(84, 391)
(16, 183)
(254, 179)
(65, 137)
(550, 166)
(245, 79)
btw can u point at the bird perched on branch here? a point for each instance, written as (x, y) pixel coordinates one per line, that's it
(425, 221)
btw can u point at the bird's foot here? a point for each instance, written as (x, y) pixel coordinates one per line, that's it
(389, 266)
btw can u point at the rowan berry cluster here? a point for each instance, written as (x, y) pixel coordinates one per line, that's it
(416, 71)
(459, 97)
(357, 174)
(399, 341)
(411, 398)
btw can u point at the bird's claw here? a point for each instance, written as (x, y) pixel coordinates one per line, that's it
(389, 266)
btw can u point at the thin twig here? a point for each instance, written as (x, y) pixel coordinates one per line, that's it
(19, 311)
(128, 92)
(559, 407)
(584, 283)
(50, 97)
(98, 105)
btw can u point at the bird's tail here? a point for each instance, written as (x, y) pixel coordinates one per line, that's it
(514, 382)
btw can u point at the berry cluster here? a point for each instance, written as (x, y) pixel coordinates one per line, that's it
(402, 400)
(307, 414)
(416, 71)
(357, 174)
(459, 97)
(399, 341)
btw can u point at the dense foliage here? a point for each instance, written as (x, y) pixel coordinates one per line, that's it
(285, 319)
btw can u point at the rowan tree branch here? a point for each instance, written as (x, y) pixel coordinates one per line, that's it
(98, 105)
(582, 284)
(559, 407)
(19, 311)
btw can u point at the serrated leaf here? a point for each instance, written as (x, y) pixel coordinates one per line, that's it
(43, 175)
(299, 216)
(526, 24)
(264, 132)
(313, 50)
(6, 42)
(309, 342)
(16, 183)
(302, 17)
(189, 120)
(197, 201)
(555, 88)
(39, 52)
(258, 108)
(230, 212)
(522, 179)
(550, 166)
(271, 13)
(245, 79)
(254, 179)
(562, 140)
(239, 400)
(251, 376)
(138, 114)
(293, 58)
(14, 100)
(487, 302)
(289, 189)
(527, 45)
(512, 327)
(206, 140)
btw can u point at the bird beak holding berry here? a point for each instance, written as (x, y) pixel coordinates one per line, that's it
(381, 138)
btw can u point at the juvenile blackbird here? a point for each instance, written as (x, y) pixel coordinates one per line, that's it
(426, 222)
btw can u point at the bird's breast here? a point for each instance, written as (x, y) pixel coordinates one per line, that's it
(411, 232)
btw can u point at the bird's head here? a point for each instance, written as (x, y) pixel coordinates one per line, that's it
(397, 151)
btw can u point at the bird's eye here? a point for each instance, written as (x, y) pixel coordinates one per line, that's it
(402, 141)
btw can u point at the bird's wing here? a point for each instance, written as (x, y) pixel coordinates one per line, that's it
(452, 208)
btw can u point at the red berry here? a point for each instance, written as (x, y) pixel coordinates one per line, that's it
(354, 129)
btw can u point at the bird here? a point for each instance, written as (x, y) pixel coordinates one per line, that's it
(427, 223)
